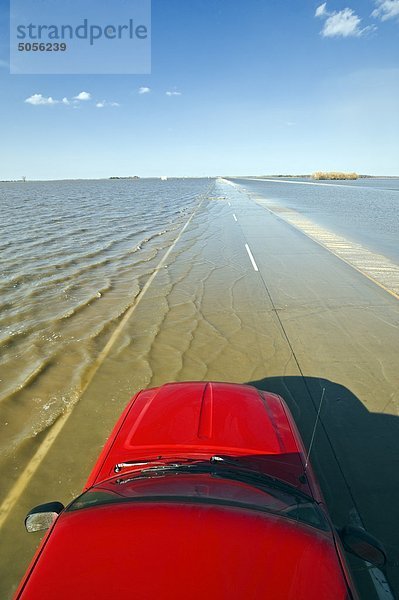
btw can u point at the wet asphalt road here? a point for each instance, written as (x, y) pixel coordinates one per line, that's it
(245, 297)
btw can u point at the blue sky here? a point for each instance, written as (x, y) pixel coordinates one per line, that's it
(237, 87)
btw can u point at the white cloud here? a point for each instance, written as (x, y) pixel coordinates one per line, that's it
(103, 104)
(38, 99)
(343, 23)
(83, 96)
(386, 9)
(173, 93)
(144, 90)
(321, 10)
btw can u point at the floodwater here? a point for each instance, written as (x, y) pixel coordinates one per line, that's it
(74, 256)
(77, 257)
(365, 211)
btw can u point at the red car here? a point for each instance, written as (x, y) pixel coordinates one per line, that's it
(200, 492)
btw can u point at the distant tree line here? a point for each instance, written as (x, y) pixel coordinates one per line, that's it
(129, 177)
(334, 175)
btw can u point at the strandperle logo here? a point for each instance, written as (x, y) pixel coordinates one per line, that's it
(80, 36)
(85, 31)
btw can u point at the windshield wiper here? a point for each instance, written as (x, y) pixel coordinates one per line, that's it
(253, 475)
(217, 466)
(159, 460)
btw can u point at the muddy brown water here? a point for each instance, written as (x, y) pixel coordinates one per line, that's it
(304, 322)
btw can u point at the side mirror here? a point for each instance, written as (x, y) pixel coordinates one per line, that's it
(43, 516)
(363, 545)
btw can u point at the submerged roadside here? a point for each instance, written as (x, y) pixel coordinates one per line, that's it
(302, 322)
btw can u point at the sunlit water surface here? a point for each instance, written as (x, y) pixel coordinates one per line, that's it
(365, 211)
(74, 256)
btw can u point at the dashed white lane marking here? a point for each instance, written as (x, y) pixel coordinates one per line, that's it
(378, 579)
(255, 266)
(21, 483)
(376, 267)
(234, 217)
(229, 203)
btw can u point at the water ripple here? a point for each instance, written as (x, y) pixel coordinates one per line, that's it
(74, 255)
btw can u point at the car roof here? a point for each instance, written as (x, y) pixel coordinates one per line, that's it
(173, 550)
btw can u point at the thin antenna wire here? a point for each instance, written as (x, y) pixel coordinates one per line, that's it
(314, 429)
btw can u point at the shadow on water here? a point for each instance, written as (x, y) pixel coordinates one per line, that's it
(356, 457)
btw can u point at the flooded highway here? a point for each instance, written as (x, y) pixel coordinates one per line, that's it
(241, 292)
